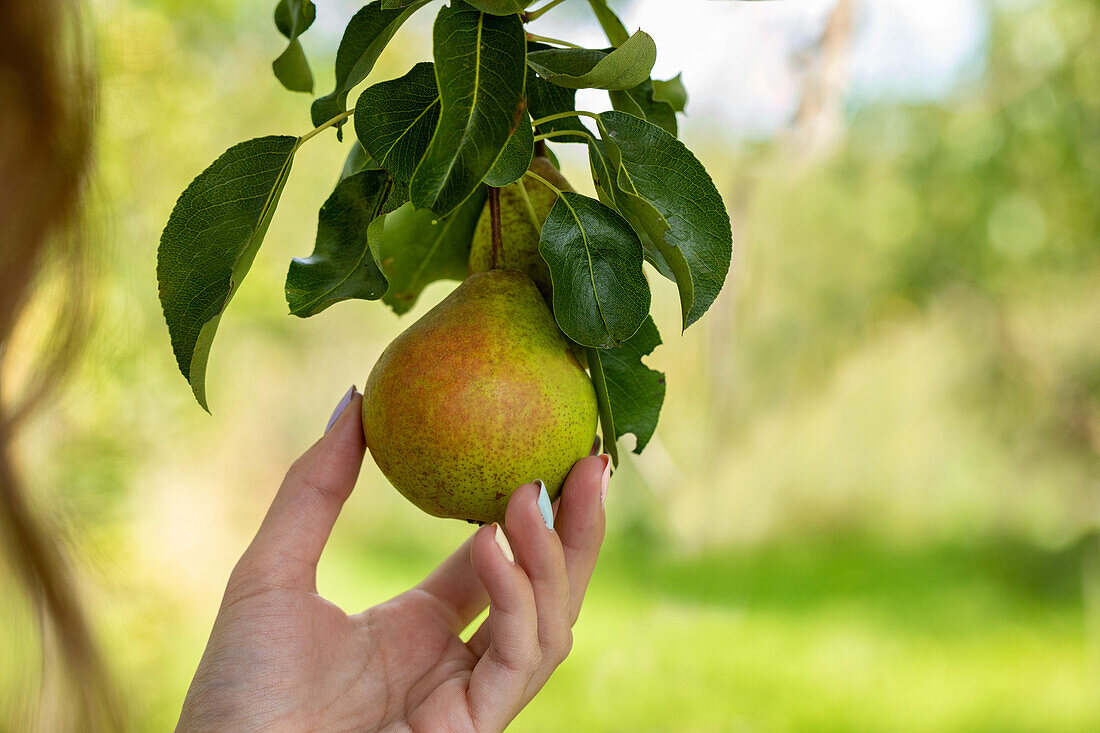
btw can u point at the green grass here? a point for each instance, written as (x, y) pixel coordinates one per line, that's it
(837, 637)
(820, 636)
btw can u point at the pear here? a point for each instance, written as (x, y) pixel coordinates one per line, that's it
(521, 220)
(478, 397)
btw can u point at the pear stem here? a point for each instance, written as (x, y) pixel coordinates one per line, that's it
(497, 258)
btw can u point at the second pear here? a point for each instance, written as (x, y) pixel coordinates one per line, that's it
(524, 206)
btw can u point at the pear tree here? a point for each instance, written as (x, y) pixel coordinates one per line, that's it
(452, 175)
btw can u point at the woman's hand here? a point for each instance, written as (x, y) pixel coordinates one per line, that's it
(280, 657)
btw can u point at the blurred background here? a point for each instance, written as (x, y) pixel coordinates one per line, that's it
(873, 497)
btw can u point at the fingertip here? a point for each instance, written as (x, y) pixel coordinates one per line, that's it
(501, 542)
(491, 551)
(587, 476)
(346, 423)
(521, 500)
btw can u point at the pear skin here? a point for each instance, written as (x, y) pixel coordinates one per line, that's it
(520, 225)
(478, 397)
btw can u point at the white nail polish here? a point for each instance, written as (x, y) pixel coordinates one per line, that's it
(502, 543)
(543, 503)
(605, 479)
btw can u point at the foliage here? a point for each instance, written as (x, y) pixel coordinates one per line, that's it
(876, 455)
(447, 130)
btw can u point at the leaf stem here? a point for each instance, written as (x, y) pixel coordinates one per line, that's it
(563, 115)
(522, 190)
(544, 182)
(562, 133)
(324, 126)
(532, 15)
(554, 41)
(496, 260)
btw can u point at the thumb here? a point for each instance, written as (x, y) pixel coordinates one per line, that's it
(297, 526)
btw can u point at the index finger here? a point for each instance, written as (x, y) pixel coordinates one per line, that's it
(580, 524)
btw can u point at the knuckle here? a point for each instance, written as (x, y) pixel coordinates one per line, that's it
(245, 579)
(561, 646)
(523, 662)
(531, 660)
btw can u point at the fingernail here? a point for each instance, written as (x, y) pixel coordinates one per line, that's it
(544, 505)
(595, 446)
(605, 480)
(340, 407)
(502, 543)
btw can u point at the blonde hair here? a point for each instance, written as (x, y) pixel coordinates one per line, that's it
(47, 94)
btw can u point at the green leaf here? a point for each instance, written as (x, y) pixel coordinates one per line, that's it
(399, 196)
(603, 403)
(501, 7)
(545, 99)
(210, 240)
(641, 102)
(668, 192)
(357, 160)
(418, 248)
(668, 260)
(672, 92)
(601, 295)
(580, 68)
(629, 394)
(635, 391)
(394, 120)
(516, 157)
(341, 266)
(479, 69)
(292, 18)
(367, 33)
(613, 28)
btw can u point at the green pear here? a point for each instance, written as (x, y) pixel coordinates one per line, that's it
(521, 220)
(478, 397)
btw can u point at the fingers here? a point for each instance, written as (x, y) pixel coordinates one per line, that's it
(555, 578)
(580, 524)
(457, 587)
(297, 526)
(539, 552)
(499, 679)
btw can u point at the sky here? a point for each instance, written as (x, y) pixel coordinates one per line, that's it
(743, 62)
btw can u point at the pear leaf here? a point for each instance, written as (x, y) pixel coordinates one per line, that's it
(210, 241)
(668, 260)
(479, 69)
(516, 157)
(366, 34)
(641, 101)
(633, 392)
(357, 160)
(419, 248)
(341, 266)
(501, 7)
(671, 91)
(545, 100)
(496, 7)
(394, 120)
(668, 194)
(292, 18)
(603, 403)
(613, 28)
(581, 68)
(601, 295)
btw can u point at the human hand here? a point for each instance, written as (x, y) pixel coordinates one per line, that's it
(280, 657)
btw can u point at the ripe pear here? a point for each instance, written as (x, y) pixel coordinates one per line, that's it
(478, 397)
(521, 220)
